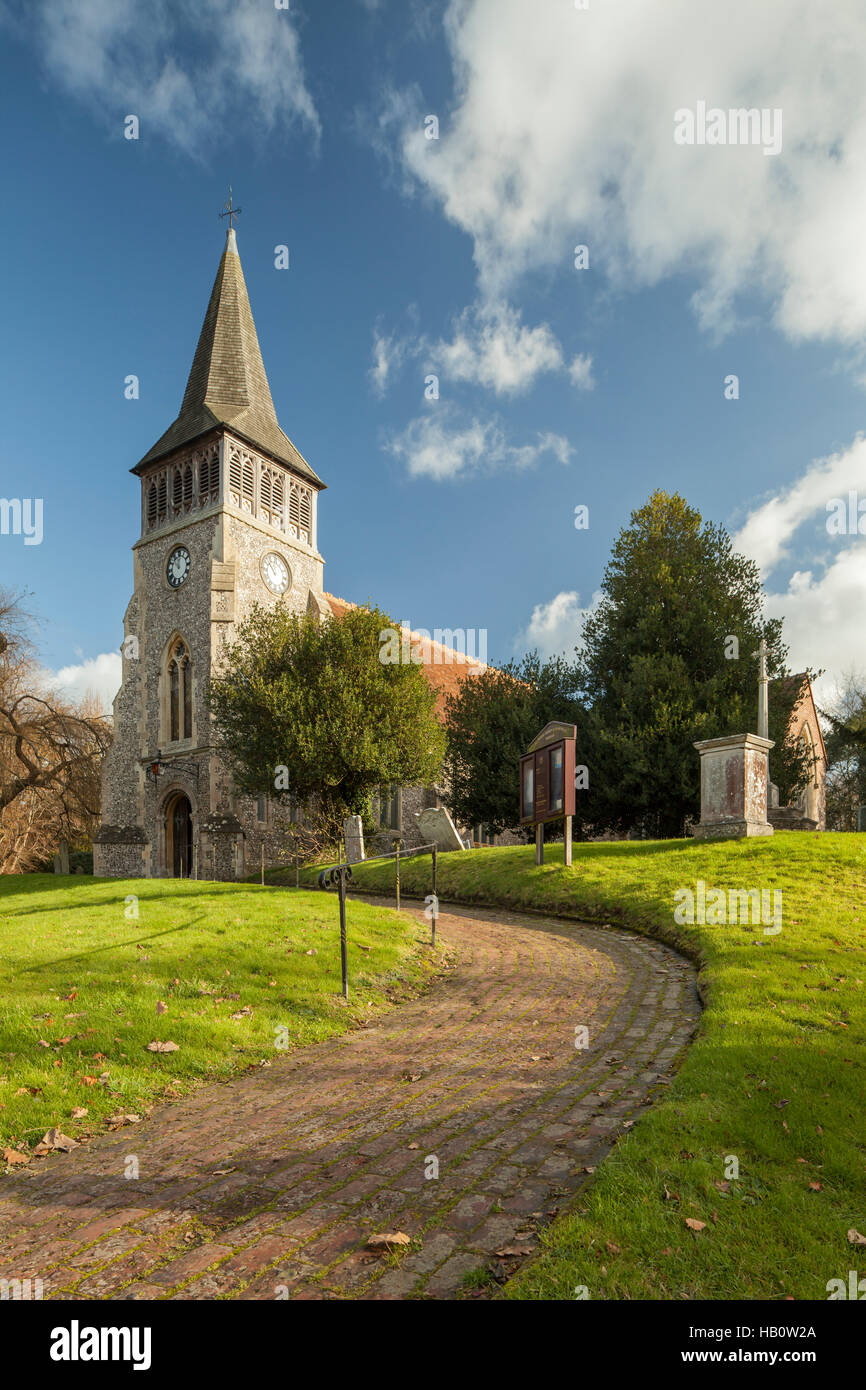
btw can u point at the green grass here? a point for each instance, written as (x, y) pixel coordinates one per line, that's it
(784, 1022)
(78, 974)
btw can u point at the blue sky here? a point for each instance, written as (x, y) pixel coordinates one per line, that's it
(453, 256)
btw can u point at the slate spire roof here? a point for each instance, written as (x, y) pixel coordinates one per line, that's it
(228, 384)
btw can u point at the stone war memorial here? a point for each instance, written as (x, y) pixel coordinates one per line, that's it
(735, 778)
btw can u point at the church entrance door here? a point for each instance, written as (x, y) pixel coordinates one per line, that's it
(178, 836)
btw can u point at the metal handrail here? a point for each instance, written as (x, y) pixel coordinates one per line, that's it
(339, 875)
(373, 858)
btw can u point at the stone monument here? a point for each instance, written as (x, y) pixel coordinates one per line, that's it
(735, 776)
(353, 834)
(437, 828)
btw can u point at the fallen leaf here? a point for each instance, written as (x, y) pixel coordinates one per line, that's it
(245, 1012)
(13, 1156)
(816, 1186)
(695, 1225)
(78, 1112)
(855, 1238)
(614, 1249)
(161, 1008)
(722, 1184)
(513, 1252)
(56, 1140)
(162, 1047)
(387, 1240)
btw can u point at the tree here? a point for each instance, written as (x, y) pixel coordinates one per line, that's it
(846, 753)
(666, 659)
(315, 699)
(50, 754)
(490, 722)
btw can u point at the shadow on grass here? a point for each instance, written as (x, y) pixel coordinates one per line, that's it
(111, 946)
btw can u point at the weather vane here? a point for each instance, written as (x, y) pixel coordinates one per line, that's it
(231, 212)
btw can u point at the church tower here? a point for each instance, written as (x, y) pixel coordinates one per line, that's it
(228, 519)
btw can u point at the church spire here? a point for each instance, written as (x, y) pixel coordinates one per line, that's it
(227, 383)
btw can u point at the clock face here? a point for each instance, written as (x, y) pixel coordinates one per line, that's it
(177, 567)
(275, 573)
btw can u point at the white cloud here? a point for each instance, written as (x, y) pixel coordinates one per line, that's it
(388, 355)
(439, 446)
(555, 627)
(562, 133)
(580, 372)
(489, 347)
(183, 70)
(823, 605)
(765, 537)
(824, 617)
(492, 348)
(98, 676)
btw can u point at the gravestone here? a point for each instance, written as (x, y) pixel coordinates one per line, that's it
(437, 828)
(353, 835)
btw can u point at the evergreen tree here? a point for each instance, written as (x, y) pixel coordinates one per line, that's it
(491, 721)
(667, 659)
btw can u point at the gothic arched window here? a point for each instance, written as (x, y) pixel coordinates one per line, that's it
(179, 693)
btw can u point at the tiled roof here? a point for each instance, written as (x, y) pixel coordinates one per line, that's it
(228, 384)
(445, 668)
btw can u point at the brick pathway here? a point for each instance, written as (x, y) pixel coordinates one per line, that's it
(269, 1186)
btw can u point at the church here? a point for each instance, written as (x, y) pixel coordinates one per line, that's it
(229, 518)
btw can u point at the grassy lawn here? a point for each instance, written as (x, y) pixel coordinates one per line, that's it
(776, 1077)
(82, 984)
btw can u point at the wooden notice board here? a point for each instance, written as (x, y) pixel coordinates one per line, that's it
(547, 775)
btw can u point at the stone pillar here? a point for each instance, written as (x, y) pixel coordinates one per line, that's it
(734, 779)
(353, 834)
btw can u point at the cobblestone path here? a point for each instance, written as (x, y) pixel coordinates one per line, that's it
(270, 1186)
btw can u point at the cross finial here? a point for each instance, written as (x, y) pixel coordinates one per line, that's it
(231, 212)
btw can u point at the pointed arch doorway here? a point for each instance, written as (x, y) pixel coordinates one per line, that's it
(178, 836)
